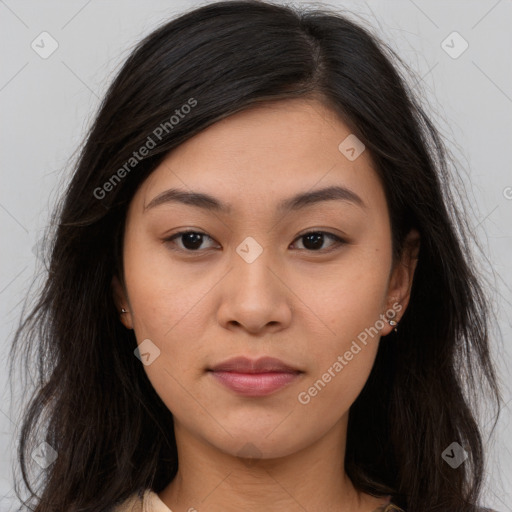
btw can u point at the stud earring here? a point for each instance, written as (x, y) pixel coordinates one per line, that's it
(123, 311)
(393, 323)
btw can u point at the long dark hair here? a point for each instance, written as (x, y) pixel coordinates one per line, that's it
(96, 407)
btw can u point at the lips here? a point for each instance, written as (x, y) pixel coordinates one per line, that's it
(254, 378)
(262, 365)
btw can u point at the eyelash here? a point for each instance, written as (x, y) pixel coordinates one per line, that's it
(338, 241)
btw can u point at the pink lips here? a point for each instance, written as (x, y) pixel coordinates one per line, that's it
(254, 377)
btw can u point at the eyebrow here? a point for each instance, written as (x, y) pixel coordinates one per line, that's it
(301, 200)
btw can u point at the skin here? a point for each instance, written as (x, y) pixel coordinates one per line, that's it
(301, 305)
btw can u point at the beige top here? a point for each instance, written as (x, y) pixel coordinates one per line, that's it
(151, 502)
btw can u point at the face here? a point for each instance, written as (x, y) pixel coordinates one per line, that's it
(306, 282)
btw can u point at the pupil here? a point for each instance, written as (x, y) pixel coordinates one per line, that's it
(194, 238)
(317, 240)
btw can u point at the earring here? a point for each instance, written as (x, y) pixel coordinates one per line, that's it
(123, 311)
(393, 323)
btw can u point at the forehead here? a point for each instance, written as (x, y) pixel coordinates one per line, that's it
(274, 133)
(266, 154)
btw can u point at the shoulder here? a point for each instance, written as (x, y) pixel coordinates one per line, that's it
(390, 508)
(144, 501)
(133, 504)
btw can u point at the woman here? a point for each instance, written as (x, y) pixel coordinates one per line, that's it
(260, 295)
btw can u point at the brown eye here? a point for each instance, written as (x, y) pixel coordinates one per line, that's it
(190, 240)
(314, 240)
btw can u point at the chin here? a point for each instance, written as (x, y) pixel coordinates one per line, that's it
(257, 444)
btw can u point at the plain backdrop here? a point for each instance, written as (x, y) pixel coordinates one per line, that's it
(48, 103)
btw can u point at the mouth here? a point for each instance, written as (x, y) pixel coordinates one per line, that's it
(254, 378)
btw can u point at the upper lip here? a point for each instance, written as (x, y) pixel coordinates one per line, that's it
(261, 365)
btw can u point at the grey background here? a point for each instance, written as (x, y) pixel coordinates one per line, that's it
(47, 105)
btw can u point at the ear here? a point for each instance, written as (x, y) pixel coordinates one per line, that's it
(400, 283)
(121, 302)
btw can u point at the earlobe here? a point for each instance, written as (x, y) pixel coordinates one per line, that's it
(121, 302)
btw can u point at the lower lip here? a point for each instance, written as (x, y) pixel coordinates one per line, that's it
(255, 384)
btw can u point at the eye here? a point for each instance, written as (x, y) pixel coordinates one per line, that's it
(191, 240)
(314, 240)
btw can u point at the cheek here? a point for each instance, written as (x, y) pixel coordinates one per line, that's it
(341, 360)
(345, 345)
(160, 294)
(348, 295)
(167, 310)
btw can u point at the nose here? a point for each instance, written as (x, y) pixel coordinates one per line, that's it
(254, 296)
